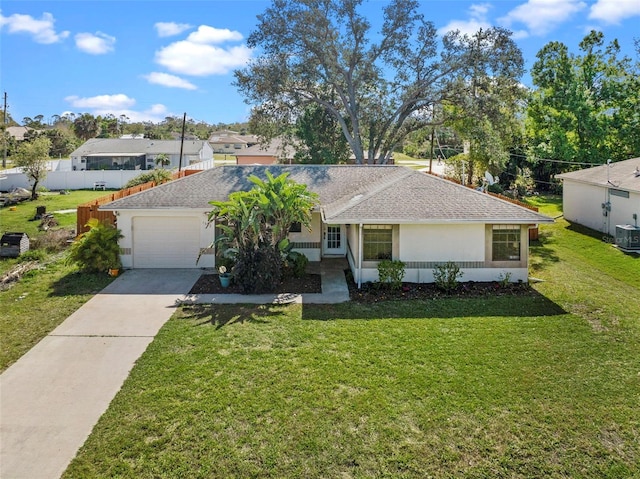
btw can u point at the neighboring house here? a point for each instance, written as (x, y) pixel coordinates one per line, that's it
(266, 154)
(230, 142)
(366, 213)
(603, 196)
(137, 153)
(18, 132)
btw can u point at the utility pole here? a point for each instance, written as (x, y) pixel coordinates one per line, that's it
(5, 140)
(184, 119)
(433, 131)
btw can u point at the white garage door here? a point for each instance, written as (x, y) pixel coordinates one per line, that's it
(165, 242)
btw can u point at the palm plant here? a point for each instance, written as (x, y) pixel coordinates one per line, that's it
(256, 224)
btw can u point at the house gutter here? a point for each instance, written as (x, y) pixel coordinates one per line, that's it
(360, 242)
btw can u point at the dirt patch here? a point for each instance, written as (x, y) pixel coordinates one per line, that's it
(210, 284)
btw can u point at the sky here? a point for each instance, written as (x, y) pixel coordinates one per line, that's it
(149, 59)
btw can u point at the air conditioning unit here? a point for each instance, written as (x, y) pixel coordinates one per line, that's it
(628, 238)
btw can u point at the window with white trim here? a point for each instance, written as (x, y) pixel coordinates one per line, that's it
(506, 243)
(377, 242)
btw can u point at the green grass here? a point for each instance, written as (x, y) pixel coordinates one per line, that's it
(22, 218)
(39, 302)
(540, 386)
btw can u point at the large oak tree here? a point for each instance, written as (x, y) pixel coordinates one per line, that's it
(378, 87)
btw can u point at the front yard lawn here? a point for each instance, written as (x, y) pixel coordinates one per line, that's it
(545, 385)
(39, 302)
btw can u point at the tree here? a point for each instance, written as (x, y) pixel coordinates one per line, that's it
(62, 140)
(317, 52)
(163, 160)
(585, 109)
(256, 223)
(321, 140)
(86, 126)
(32, 157)
(36, 122)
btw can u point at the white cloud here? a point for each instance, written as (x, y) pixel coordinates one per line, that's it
(97, 44)
(478, 19)
(202, 60)
(169, 29)
(542, 16)
(613, 11)
(117, 101)
(155, 114)
(171, 81)
(198, 55)
(206, 34)
(42, 30)
(118, 105)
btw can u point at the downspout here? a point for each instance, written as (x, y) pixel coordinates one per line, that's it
(360, 241)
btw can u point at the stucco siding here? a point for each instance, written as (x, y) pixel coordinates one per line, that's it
(308, 242)
(442, 242)
(583, 204)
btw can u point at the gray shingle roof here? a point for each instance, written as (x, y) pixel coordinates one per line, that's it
(114, 146)
(621, 174)
(348, 194)
(275, 148)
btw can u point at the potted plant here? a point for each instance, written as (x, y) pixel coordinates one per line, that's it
(225, 278)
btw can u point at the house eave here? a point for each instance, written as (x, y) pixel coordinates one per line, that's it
(436, 221)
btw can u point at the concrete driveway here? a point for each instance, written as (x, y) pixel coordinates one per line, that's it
(51, 398)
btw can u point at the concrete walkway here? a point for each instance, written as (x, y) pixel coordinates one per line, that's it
(52, 397)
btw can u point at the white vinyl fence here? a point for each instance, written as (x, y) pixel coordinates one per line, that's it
(71, 180)
(80, 180)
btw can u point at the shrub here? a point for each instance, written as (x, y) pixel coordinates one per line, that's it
(446, 276)
(295, 264)
(159, 176)
(495, 188)
(258, 270)
(96, 250)
(391, 272)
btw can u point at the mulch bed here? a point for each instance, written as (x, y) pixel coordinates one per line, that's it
(210, 284)
(376, 292)
(373, 292)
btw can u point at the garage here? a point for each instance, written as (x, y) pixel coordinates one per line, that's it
(165, 241)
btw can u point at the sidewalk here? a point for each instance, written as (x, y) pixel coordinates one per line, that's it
(52, 397)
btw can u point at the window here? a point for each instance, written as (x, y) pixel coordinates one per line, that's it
(620, 193)
(377, 242)
(506, 243)
(295, 228)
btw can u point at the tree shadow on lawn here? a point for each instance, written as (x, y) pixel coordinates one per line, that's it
(531, 304)
(77, 283)
(219, 317)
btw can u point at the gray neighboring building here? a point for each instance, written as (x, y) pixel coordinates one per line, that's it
(604, 196)
(137, 153)
(230, 142)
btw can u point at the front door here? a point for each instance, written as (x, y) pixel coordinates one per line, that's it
(333, 240)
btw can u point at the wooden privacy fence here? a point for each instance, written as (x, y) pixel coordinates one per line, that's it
(90, 210)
